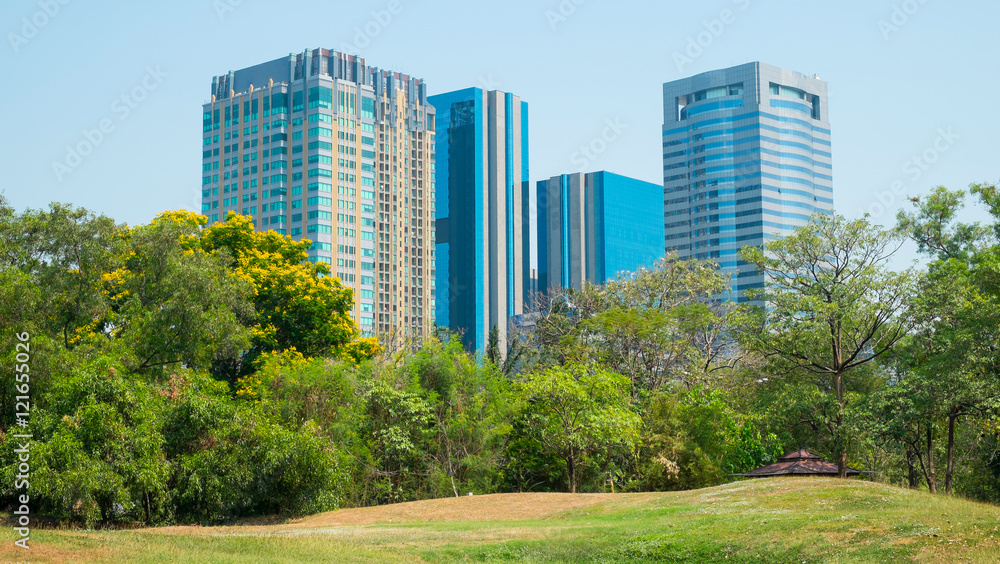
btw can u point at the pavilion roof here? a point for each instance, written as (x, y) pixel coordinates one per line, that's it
(798, 463)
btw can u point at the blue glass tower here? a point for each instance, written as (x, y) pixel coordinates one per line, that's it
(592, 226)
(746, 159)
(481, 218)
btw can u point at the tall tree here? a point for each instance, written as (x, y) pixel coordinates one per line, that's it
(577, 411)
(830, 304)
(954, 352)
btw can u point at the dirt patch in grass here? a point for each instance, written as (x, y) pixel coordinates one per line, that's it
(43, 552)
(495, 507)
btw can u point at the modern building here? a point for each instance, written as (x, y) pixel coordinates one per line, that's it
(320, 146)
(592, 226)
(483, 243)
(746, 160)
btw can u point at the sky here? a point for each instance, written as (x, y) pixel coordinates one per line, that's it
(103, 99)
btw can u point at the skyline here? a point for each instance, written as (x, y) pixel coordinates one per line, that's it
(895, 91)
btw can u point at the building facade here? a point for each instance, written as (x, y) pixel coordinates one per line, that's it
(483, 247)
(592, 226)
(320, 146)
(746, 160)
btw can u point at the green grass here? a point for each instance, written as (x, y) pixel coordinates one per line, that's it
(789, 520)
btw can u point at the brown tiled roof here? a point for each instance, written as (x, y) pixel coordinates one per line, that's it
(798, 463)
(801, 454)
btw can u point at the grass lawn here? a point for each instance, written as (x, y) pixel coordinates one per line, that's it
(787, 520)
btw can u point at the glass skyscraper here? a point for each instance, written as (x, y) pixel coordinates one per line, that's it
(483, 247)
(320, 146)
(746, 159)
(592, 226)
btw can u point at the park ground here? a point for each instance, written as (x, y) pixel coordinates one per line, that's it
(787, 520)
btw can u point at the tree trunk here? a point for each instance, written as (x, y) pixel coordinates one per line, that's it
(838, 439)
(931, 479)
(571, 466)
(950, 468)
(911, 475)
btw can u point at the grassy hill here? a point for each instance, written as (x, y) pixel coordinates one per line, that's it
(777, 520)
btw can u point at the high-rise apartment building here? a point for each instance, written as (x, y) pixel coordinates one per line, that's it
(320, 146)
(746, 159)
(592, 226)
(483, 243)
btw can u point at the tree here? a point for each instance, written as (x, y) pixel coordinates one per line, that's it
(297, 304)
(66, 251)
(830, 305)
(953, 352)
(171, 302)
(506, 361)
(654, 326)
(472, 407)
(577, 411)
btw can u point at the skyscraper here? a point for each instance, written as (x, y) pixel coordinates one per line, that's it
(746, 159)
(592, 226)
(483, 244)
(319, 145)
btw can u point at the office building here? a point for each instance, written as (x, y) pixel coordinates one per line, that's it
(483, 247)
(320, 146)
(746, 160)
(590, 227)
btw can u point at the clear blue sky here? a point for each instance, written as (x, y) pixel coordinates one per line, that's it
(892, 89)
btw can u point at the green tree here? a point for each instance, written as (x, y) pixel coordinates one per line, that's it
(66, 251)
(97, 454)
(952, 354)
(654, 326)
(472, 407)
(695, 438)
(578, 411)
(830, 305)
(173, 303)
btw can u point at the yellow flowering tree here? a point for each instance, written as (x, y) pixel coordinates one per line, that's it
(297, 304)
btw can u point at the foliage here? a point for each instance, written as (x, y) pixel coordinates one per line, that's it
(296, 303)
(654, 326)
(830, 305)
(188, 374)
(579, 414)
(696, 438)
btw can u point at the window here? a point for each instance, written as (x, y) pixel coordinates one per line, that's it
(324, 145)
(321, 97)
